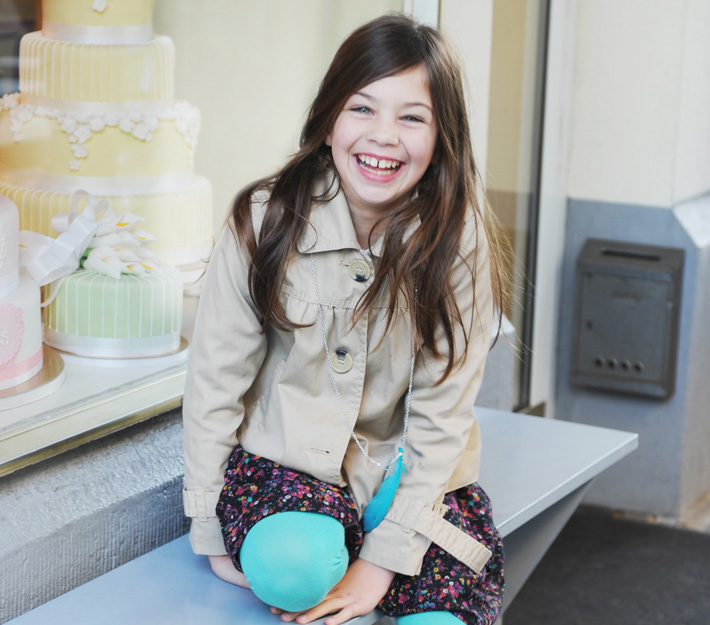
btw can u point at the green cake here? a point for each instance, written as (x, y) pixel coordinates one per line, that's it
(100, 316)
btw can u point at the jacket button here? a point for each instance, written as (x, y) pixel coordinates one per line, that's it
(359, 271)
(341, 361)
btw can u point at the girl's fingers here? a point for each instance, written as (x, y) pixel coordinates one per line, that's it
(307, 616)
(328, 606)
(285, 616)
(339, 607)
(341, 617)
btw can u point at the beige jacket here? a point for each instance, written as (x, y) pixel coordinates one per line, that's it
(272, 392)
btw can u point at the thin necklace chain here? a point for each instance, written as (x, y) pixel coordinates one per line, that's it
(351, 429)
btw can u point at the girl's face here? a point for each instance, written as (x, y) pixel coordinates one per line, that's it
(383, 140)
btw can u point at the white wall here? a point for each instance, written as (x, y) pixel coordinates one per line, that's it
(641, 131)
(553, 200)
(692, 155)
(640, 145)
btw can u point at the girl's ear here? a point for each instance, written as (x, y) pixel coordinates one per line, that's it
(329, 140)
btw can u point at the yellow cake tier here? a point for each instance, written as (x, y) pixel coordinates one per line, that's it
(85, 72)
(180, 220)
(66, 18)
(72, 148)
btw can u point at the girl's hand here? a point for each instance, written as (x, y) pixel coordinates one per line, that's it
(223, 568)
(359, 592)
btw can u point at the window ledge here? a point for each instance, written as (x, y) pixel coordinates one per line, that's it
(93, 400)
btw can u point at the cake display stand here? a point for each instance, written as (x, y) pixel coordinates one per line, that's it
(46, 382)
(170, 359)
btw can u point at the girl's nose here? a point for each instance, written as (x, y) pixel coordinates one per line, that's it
(384, 132)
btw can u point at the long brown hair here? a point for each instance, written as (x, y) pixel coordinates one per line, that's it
(383, 47)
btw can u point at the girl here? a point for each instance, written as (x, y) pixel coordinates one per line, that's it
(341, 335)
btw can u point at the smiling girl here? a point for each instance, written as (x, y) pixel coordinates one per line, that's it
(331, 447)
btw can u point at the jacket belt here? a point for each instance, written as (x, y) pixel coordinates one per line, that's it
(428, 520)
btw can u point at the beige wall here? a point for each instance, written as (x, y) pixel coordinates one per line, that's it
(252, 68)
(641, 120)
(507, 98)
(468, 24)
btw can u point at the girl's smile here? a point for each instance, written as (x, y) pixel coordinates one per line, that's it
(378, 167)
(383, 141)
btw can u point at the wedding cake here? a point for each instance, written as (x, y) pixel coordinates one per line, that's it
(96, 111)
(20, 323)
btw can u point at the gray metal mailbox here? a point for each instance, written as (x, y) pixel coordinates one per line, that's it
(626, 317)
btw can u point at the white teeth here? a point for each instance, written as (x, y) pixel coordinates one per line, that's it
(371, 161)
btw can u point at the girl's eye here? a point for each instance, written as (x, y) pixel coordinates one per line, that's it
(361, 109)
(413, 118)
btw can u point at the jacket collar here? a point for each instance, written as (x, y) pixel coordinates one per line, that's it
(331, 227)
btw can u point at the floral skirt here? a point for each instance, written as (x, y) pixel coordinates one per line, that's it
(256, 487)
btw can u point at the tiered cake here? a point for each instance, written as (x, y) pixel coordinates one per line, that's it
(96, 111)
(20, 323)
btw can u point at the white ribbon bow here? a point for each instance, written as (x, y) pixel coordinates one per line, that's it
(47, 259)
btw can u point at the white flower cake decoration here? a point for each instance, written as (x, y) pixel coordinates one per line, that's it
(118, 247)
(81, 126)
(99, 5)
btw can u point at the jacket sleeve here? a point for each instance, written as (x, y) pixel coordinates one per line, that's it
(226, 353)
(441, 424)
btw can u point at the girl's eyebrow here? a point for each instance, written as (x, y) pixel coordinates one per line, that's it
(406, 104)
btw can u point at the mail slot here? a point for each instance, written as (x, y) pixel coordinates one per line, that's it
(627, 317)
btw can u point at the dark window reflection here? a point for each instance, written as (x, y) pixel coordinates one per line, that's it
(17, 17)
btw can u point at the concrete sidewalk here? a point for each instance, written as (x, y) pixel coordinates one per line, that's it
(605, 569)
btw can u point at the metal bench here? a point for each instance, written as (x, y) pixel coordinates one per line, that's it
(534, 470)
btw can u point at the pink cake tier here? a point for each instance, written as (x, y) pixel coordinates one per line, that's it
(20, 319)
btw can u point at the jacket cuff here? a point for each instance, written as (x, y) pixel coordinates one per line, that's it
(200, 503)
(206, 537)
